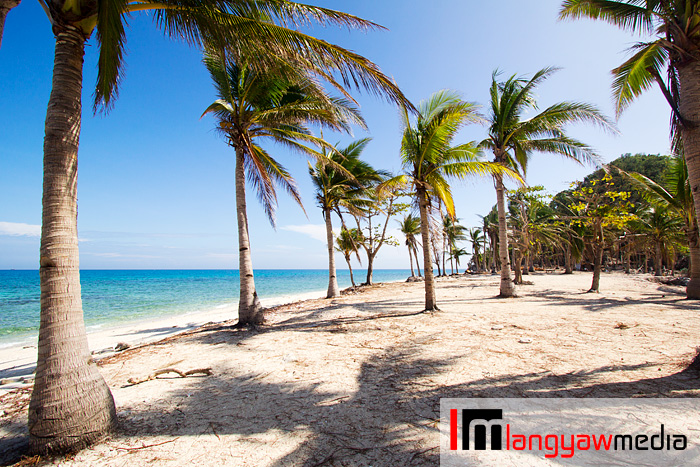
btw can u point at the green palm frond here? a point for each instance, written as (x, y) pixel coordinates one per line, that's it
(112, 39)
(638, 73)
(266, 29)
(631, 14)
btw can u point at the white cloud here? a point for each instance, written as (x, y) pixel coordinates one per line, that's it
(315, 231)
(16, 229)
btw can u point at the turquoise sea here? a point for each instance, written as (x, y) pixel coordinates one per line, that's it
(119, 296)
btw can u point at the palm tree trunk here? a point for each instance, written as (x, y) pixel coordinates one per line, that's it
(71, 405)
(352, 278)
(430, 300)
(494, 258)
(332, 278)
(689, 106)
(658, 261)
(692, 291)
(567, 259)
(5, 7)
(507, 287)
(411, 259)
(415, 253)
(249, 309)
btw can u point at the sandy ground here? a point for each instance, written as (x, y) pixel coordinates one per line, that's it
(357, 380)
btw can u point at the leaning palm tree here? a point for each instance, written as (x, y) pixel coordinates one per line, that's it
(429, 159)
(673, 53)
(341, 180)
(513, 140)
(254, 106)
(410, 227)
(71, 405)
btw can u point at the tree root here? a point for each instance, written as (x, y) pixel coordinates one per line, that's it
(182, 374)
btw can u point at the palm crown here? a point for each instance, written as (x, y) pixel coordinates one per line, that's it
(513, 138)
(275, 105)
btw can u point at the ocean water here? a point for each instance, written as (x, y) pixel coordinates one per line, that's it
(117, 297)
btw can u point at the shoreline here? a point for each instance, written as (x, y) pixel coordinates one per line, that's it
(18, 359)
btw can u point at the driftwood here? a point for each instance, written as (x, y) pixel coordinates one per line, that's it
(182, 374)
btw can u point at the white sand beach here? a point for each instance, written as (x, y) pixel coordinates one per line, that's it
(357, 380)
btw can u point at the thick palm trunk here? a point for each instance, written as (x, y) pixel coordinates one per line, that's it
(332, 279)
(507, 286)
(689, 106)
(5, 7)
(430, 299)
(692, 291)
(250, 310)
(567, 259)
(410, 257)
(71, 405)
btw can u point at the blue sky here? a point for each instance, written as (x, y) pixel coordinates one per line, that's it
(156, 183)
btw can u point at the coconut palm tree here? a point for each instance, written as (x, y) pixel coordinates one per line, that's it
(476, 238)
(663, 228)
(514, 139)
(672, 54)
(452, 232)
(71, 405)
(429, 159)
(410, 227)
(457, 253)
(341, 180)
(348, 242)
(676, 195)
(254, 106)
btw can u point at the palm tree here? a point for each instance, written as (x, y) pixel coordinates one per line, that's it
(452, 232)
(457, 253)
(663, 228)
(428, 159)
(476, 238)
(71, 405)
(513, 140)
(673, 53)
(678, 197)
(410, 227)
(348, 242)
(341, 180)
(267, 105)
